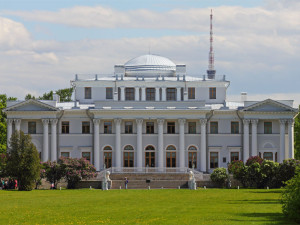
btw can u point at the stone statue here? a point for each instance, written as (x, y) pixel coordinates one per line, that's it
(192, 182)
(106, 182)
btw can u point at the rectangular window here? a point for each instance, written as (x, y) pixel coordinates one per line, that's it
(234, 156)
(182, 94)
(192, 127)
(191, 91)
(268, 155)
(31, 127)
(119, 94)
(86, 155)
(150, 94)
(234, 127)
(129, 94)
(212, 93)
(192, 159)
(87, 92)
(171, 94)
(214, 160)
(171, 127)
(65, 154)
(150, 127)
(214, 127)
(128, 127)
(268, 127)
(65, 127)
(109, 93)
(107, 128)
(85, 127)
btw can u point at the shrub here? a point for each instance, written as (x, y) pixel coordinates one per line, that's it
(254, 159)
(23, 161)
(291, 198)
(286, 171)
(219, 177)
(239, 171)
(76, 170)
(254, 175)
(3, 161)
(53, 172)
(269, 170)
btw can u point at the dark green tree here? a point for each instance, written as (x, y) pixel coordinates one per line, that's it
(29, 96)
(65, 94)
(297, 136)
(47, 96)
(23, 161)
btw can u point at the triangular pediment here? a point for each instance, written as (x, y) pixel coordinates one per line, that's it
(269, 105)
(31, 105)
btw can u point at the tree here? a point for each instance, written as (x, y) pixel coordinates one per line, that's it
(291, 198)
(29, 96)
(239, 171)
(219, 177)
(297, 136)
(23, 161)
(76, 170)
(47, 96)
(3, 139)
(3, 161)
(65, 94)
(53, 172)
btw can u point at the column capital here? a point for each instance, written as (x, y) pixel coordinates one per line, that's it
(96, 121)
(181, 121)
(118, 121)
(45, 121)
(9, 121)
(254, 121)
(203, 121)
(246, 121)
(139, 121)
(291, 122)
(17, 121)
(282, 121)
(160, 121)
(53, 121)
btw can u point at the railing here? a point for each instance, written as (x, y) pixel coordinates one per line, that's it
(140, 170)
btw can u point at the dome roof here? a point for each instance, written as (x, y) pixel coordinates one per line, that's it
(150, 65)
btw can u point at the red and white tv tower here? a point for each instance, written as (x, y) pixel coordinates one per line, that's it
(211, 72)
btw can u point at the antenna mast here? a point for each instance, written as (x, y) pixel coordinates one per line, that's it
(211, 70)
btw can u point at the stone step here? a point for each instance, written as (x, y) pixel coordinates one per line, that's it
(154, 184)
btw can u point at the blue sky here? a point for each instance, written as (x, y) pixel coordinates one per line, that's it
(44, 43)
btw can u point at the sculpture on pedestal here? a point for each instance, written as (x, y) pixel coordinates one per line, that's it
(106, 182)
(192, 182)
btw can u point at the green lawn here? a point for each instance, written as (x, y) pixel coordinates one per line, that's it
(210, 206)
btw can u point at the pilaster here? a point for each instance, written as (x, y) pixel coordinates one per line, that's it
(203, 156)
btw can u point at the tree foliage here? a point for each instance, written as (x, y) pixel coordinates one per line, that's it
(3, 161)
(291, 198)
(53, 172)
(23, 161)
(64, 94)
(76, 170)
(297, 136)
(219, 176)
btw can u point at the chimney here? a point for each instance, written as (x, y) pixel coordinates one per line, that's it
(243, 96)
(56, 97)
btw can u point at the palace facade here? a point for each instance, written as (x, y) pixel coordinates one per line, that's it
(150, 113)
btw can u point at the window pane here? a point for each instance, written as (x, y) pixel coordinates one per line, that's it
(171, 127)
(234, 127)
(32, 127)
(65, 154)
(191, 93)
(86, 155)
(128, 127)
(192, 127)
(150, 127)
(213, 127)
(171, 94)
(109, 93)
(268, 155)
(150, 94)
(65, 127)
(212, 93)
(87, 92)
(85, 127)
(107, 128)
(129, 94)
(234, 156)
(268, 127)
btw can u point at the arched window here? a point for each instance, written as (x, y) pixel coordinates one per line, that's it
(107, 148)
(192, 148)
(149, 148)
(128, 148)
(171, 147)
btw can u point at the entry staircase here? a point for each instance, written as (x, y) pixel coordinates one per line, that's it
(153, 178)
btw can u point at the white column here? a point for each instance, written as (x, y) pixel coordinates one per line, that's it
(118, 142)
(137, 94)
(203, 156)
(160, 144)
(139, 143)
(163, 94)
(246, 139)
(291, 138)
(9, 130)
(157, 94)
(96, 155)
(17, 124)
(254, 137)
(45, 152)
(282, 140)
(178, 93)
(53, 140)
(122, 93)
(181, 143)
(143, 94)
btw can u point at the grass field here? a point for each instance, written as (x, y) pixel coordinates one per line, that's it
(210, 206)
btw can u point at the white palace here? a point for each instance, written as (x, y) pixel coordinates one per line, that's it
(151, 114)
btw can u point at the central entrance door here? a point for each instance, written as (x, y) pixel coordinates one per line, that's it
(171, 159)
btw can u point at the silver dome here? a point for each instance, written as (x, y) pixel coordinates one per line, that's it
(150, 65)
